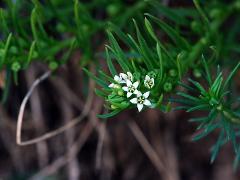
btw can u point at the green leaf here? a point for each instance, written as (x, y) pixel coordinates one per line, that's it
(199, 107)
(169, 13)
(230, 76)
(174, 35)
(209, 79)
(199, 86)
(179, 66)
(79, 10)
(6, 89)
(67, 55)
(111, 114)
(216, 147)
(159, 52)
(120, 57)
(150, 29)
(3, 22)
(201, 12)
(100, 93)
(6, 48)
(204, 119)
(188, 96)
(205, 132)
(33, 24)
(120, 105)
(123, 37)
(30, 54)
(110, 64)
(183, 101)
(96, 79)
(187, 87)
(159, 102)
(108, 78)
(144, 49)
(216, 86)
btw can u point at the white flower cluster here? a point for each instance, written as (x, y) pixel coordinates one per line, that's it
(131, 88)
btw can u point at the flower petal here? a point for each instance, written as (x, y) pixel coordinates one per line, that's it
(129, 94)
(122, 81)
(146, 85)
(147, 102)
(152, 81)
(111, 85)
(123, 76)
(147, 78)
(136, 84)
(129, 83)
(134, 100)
(136, 91)
(130, 76)
(139, 94)
(140, 107)
(125, 88)
(117, 78)
(146, 94)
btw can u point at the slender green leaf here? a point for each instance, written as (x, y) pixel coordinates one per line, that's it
(111, 114)
(231, 75)
(159, 52)
(6, 49)
(145, 51)
(217, 146)
(98, 80)
(110, 64)
(172, 33)
(123, 37)
(120, 57)
(30, 54)
(199, 107)
(209, 79)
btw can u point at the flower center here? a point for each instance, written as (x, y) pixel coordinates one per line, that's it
(150, 83)
(131, 89)
(141, 99)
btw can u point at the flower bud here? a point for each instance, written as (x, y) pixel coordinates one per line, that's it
(197, 73)
(16, 66)
(120, 92)
(215, 13)
(152, 74)
(53, 65)
(167, 87)
(196, 27)
(172, 72)
(13, 50)
(113, 107)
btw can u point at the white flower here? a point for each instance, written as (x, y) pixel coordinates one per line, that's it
(148, 82)
(119, 80)
(141, 100)
(131, 88)
(127, 76)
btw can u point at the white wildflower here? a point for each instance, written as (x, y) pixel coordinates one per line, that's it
(131, 88)
(127, 76)
(148, 82)
(141, 100)
(119, 80)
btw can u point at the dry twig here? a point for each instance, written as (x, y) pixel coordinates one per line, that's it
(148, 149)
(55, 132)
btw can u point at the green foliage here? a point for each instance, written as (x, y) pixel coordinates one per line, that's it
(147, 65)
(213, 99)
(161, 63)
(43, 30)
